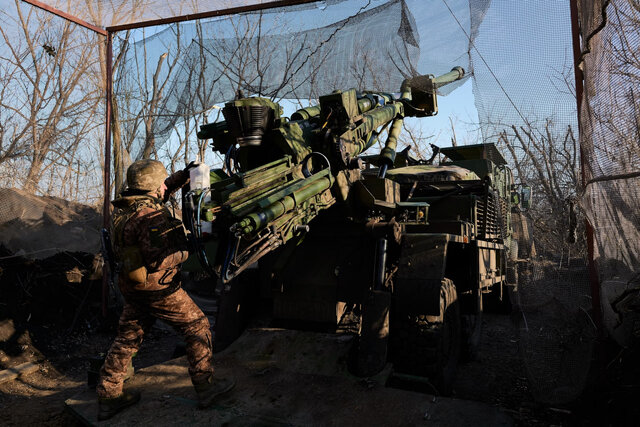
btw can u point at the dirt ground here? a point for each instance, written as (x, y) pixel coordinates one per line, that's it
(50, 315)
(63, 360)
(57, 325)
(42, 226)
(496, 377)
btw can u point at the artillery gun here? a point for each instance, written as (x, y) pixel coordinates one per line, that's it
(408, 248)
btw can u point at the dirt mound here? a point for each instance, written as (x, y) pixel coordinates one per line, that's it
(39, 226)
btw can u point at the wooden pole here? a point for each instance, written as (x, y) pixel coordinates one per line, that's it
(106, 212)
(594, 281)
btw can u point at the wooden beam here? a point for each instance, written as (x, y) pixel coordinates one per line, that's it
(67, 16)
(209, 14)
(106, 204)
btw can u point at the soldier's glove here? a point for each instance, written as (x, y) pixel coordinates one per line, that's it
(184, 174)
(191, 165)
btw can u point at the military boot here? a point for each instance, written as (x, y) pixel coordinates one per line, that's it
(109, 406)
(208, 391)
(130, 372)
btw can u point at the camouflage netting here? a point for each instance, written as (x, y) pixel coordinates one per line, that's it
(295, 53)
(171, 79)
(611, 142)
(108, 13)
(528, 108)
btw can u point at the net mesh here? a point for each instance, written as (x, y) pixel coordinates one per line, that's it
(528, 109)
(283, 53)
(611, 144)
(171, 79)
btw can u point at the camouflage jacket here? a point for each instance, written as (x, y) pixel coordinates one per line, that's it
(149, 243)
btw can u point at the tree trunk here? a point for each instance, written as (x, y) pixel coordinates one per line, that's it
(118, 149)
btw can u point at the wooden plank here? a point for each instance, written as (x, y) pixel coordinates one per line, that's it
(13, 373)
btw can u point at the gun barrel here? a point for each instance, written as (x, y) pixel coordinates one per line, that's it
(306, 113)
(456, 73)
(372, 120)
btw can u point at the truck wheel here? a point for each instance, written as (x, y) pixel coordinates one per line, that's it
(429, 345)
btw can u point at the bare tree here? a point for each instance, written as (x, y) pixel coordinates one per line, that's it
(549, 162)
(46, 92)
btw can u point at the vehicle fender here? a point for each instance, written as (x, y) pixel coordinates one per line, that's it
(420, 273)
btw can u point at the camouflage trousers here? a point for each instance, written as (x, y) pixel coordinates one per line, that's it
(176, 309)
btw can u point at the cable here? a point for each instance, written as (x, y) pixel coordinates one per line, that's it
(344, 23)
(487, 65)
(33, 252)
(229, 156)
(195, 229)
(232, 248)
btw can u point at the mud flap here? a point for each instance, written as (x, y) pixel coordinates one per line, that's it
(421, 271)
(371, 355)
(230, 318)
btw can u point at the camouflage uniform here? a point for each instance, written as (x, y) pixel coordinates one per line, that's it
(150, 245)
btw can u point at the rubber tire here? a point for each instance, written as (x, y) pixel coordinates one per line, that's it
(429, 346)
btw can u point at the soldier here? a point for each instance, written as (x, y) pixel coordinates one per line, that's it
(150, 246)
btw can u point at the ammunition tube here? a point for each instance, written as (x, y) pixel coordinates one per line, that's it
(364, 105)
(258, 220)
(317, 187)
(382, 115)
(306, 113)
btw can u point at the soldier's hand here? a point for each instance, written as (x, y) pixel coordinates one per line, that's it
(191, 165)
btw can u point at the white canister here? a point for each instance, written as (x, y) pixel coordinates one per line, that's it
(199, 177)
(200, 180)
